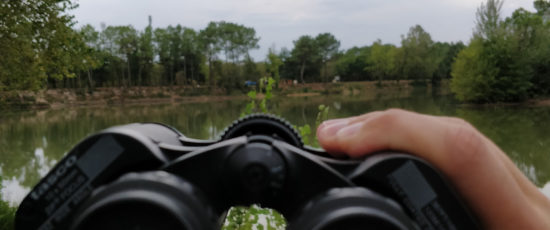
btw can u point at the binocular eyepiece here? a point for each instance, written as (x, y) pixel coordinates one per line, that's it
(150, 176)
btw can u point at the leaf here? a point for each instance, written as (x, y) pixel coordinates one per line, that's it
(252, 94)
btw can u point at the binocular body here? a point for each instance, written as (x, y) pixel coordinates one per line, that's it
(150, 176)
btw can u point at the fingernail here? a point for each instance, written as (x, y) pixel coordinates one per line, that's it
(331, 127)
(350, 130)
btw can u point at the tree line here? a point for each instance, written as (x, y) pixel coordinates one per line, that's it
(506, 59)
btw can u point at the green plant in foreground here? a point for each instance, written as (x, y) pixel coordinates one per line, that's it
(253, 217)
(322, 115)
(251, 107)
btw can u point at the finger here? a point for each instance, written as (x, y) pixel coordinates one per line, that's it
(459, 151)
(328, 129)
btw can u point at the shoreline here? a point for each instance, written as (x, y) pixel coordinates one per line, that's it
(108, 96)
(114, 96)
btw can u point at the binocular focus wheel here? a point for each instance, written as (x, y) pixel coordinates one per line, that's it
(263, 124)
(351, 208)
(151, 200)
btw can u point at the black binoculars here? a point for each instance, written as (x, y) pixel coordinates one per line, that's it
(150, 176)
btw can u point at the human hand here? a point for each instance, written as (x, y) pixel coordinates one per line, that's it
(496, 190)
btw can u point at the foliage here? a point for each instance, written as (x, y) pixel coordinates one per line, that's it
(322, 115)
(416, 57)
(306, 54)
(38, 44)
(381, 61)
(504, 61)
(305, 132)
(253, 217)
(352, 65)
(235, 40)
(266, 85)
(273, 65)
(445, 53)
(473, 75)
(328, 48)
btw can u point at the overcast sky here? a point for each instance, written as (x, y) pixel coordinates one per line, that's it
(279, 22)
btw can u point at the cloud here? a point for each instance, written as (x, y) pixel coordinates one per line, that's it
(354, 22)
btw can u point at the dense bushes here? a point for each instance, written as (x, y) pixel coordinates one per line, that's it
(506, 60)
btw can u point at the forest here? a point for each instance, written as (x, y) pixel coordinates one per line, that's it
(506, 59)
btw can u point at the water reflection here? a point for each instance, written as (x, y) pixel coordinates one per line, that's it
(32, 141)
(12, 191)
(546, 189)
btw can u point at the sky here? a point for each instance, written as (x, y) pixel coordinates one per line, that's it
(280, 22)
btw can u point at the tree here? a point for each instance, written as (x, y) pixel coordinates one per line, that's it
(328, 47)
(473, 74)
(192, 57)
(145, 54)
(445, 54)
(381, 61)
(488, 19)
(210, 44)
(531, 33)
(542, 7)
(306, 53)
(351, 66)
(417, 59)
(236, 40)
(127, 42)
(91, 50)
(162, 49)
(37, 43)
(496, 66)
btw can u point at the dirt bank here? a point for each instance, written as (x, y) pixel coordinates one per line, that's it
(56, 98)
(59, 98)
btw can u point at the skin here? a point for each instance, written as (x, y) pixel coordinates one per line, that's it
(490, 183)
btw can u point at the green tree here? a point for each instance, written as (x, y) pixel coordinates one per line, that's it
(381, 61)
(445, 53)
(497, 65)
(531, 33)
(162, 49)
(306, 54)
(417, 59)
(488, 21)
(328, 48)
(145, 54)
(127, 41)
(473, 75)
(37, 43)
(236, 40)
(192, 57)
(211, 45)
(351, 66)
(542, 7)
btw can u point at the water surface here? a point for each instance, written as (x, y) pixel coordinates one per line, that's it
(32, 141)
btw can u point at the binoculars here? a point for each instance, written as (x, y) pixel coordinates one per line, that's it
(150, 176)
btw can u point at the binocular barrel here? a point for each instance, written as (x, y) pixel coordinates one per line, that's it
(150, 176)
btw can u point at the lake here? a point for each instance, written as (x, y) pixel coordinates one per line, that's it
(32, 141)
